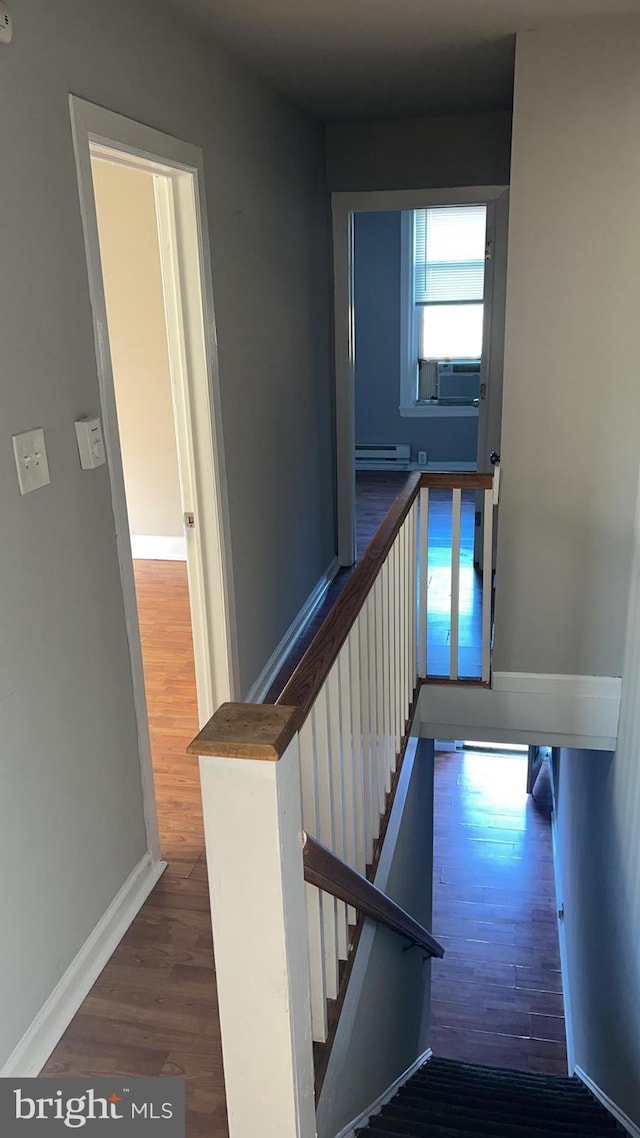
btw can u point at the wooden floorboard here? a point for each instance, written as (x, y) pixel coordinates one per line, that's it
(497, 995)
(154, 1010)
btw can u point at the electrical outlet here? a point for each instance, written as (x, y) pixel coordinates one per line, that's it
(422, 458)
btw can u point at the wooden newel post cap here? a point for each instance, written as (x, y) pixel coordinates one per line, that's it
(247, 731)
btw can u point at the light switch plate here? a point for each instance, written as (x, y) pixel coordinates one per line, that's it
(31, 460)
(90, 443)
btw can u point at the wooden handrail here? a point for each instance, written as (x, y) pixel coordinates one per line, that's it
(263, 731)
(455, 480)
(312, 671)
(327, 872)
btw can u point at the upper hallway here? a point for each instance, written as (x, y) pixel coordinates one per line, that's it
(73, 804)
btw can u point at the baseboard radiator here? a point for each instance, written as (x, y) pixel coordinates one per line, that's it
(392, 456)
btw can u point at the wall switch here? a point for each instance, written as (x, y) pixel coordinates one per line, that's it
(6, 26)
(422, 458)
(31, 460)
(90, 443)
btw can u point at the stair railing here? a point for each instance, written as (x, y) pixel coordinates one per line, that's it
(323, 761)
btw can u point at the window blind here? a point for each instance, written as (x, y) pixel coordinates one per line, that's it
(449, 254)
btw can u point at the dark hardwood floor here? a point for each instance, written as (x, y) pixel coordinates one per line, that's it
(497, 995)
(153, 1010)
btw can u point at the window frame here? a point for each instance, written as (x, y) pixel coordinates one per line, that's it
(409, 406)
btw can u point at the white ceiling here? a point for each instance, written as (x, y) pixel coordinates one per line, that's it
(352, 58)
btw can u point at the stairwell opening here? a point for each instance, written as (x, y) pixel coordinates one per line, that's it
(496, 998)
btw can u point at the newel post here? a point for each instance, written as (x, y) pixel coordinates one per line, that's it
(250, 777)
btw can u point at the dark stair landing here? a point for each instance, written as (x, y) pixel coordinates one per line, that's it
(447, 1099)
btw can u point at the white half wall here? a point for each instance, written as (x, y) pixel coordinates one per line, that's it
(560, 711)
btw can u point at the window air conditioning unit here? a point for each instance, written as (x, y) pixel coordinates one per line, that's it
(458, 381)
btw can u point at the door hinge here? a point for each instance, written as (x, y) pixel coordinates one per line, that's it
(189, 519)
(483, 391)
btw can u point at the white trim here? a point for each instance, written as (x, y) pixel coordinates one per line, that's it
(608, 1103)
(344, 204)
(39, 1040)
(562, 940)
(261, 685)
(376, 1107)
(148, 547)
(543, 683)
(521, 707)
(190, 321)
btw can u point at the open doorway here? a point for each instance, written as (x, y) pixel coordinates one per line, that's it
(145, 237)
(419, 293)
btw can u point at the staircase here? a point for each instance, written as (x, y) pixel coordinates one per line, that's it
(447, 1099)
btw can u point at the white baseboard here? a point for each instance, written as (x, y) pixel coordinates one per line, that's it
(39, 1040)
(146, 547)
(261, 685)
(361, 1120)
(608, 1104)
(526, 707)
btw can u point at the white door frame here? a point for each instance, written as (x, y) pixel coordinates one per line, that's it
(344, 205)
(178, 171)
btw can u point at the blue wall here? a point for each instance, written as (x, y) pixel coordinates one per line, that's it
(377, 332)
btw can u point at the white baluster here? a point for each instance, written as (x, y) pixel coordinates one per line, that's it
(348, 760)
(424, 581)
(456, 503)
(487, 584)
(337, 790)
(380, 703)
(357, 734)
(325, 835)
(367, 688)
(315, 927)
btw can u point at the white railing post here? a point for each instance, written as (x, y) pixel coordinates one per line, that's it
(456, 508)
(424, 581)
(253, 834)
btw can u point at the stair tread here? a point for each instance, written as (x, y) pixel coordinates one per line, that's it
(448, 1099)
(433, 1102)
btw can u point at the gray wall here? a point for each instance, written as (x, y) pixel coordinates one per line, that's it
(377, 281)
(420, 153)
(383, 1027)
(571, 401)
(598, 797)
(71, 823)
(598, 859)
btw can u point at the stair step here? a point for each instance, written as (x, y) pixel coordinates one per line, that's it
(447, 1099)
(510, 1098)
(463, 1107)
(485, 1123)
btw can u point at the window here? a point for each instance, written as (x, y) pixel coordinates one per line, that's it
(445, 255)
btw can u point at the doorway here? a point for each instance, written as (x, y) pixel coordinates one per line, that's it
(142, 201)
(383, 226)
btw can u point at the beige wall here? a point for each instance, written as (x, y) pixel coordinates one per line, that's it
(571, 419)
(137, 335)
